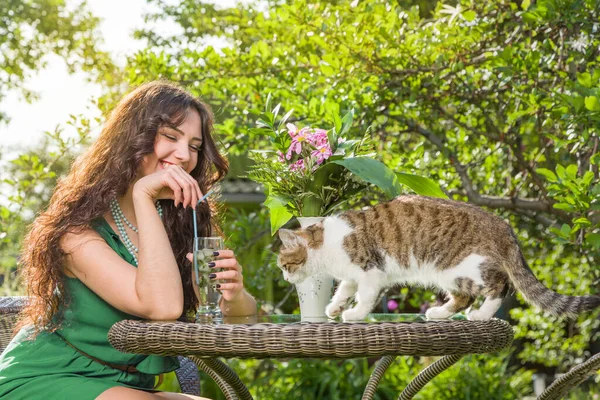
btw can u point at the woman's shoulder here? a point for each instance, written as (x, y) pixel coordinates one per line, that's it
(98, 230)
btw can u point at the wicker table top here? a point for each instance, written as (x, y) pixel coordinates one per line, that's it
(285, 336)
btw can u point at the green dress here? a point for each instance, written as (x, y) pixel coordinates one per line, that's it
(47, 367)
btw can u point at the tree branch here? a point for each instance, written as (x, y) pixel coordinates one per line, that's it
(514, 203)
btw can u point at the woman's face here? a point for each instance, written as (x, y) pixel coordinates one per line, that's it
(177, 146)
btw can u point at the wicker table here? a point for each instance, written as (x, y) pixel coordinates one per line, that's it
(284, 336)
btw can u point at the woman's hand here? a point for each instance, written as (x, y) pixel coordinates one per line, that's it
(170, 183)
(231, 275)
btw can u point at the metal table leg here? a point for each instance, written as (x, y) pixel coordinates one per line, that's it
(574, 377)
(428, 374)
(382, 365)
(227, 380)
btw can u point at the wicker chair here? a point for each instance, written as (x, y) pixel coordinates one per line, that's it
(187, 374)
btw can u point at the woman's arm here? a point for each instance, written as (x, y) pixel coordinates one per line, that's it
(154, 289)
(244, 305)
(158, 282)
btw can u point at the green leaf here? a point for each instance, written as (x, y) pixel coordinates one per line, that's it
(582, 221)
(285, 118)
(327, 70)
(343, 147)
(346, 123)
(421, 185)
(564, 206)
(264, 124)
(279, 215)
(592, 103)
(585, 79)
(525, 4)
(550, 176)
(565, 231)
(469, 15)
(594, 239)
(588, 177)
(337, 122)
(332, 138)
(268, 103)
(572, 171)
(561, 172)
(373, 171)
(275, 112)
(4, 212)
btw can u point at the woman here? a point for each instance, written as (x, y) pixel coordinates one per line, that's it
(114, 244)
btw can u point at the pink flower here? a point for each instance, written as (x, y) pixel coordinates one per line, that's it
(322, 153)
(291, 129)
(298, 165)
(280, 156)
(392, 305)
(318, 137)
(297, 139)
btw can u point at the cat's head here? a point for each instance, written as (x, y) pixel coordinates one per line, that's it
(296, 257)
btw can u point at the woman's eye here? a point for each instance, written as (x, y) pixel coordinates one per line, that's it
(195, 148)
(170, 137)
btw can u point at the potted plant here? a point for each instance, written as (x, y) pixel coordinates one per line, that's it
(311, 172)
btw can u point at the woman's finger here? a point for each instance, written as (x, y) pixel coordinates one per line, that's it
(194, 187)
(230, 275)
(226, 263)
(233, 288)
(186, 186)
(190, 257)
(175, 188)
(225, 254)
(191, 188)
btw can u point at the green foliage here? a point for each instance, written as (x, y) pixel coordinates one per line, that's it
(473, 378)
(30, 30)
(496, 102)
(480, 377)
(27, 185)
(311, 171)
(485, 98)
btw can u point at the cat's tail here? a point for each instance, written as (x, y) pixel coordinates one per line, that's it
(545, 299)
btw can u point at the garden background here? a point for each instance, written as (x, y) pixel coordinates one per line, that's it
(498, 102)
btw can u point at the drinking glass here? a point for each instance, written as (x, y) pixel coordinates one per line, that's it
(204, 248)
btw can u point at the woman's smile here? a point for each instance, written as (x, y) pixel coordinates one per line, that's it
(165, 164)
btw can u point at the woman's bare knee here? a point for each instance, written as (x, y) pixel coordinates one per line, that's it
(178, 396)
(123, 393)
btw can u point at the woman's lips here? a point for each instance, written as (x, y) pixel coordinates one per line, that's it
(165, 164)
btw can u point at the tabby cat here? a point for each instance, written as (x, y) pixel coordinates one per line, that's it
(454, 246)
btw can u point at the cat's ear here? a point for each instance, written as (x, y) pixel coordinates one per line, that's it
(289, 238)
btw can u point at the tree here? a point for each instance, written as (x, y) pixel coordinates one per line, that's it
(497, 101)
(27, 185)
(32, 29)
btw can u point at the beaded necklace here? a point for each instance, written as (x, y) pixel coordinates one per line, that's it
(119, 218)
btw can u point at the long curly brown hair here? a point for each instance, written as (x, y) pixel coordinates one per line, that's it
(106, 171)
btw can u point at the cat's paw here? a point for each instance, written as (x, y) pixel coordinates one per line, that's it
(334, 309)
(353, 315)
(478, 315)
(438, 313)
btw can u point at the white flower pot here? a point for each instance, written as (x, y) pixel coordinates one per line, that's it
(314, 293)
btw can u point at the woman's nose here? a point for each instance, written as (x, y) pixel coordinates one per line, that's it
(182, 152)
